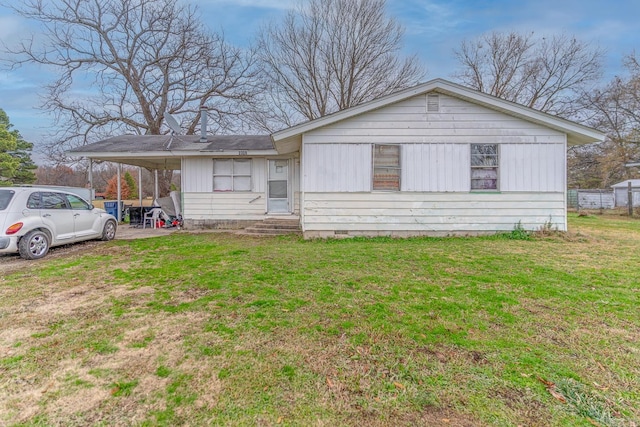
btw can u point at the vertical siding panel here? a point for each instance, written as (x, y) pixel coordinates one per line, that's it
(544, 163)
(425, 167)
(433, 152)
(259, 175)
(444, 167)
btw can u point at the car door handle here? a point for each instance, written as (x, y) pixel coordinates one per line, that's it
(77, 214)
(46, 215)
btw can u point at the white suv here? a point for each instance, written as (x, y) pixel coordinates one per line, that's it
(34, 219)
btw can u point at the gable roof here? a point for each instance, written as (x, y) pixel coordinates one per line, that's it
(288, 140)
(635, 183)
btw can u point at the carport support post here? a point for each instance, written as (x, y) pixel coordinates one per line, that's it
(156, 193)
(140, 186)
(119, 215)
(90, 178)
(630, 198)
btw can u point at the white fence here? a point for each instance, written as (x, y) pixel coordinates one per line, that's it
(596, 199)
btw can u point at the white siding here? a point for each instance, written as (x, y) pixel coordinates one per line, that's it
(431, 212)
(197, 175)
(221, 206)
(435, 167)
(532, 167)
(337, 167)
(458, 121)
(259, 175)
(435, 149)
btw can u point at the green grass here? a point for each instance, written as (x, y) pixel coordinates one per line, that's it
(220, 329)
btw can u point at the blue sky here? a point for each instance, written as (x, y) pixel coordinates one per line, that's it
(433, 29)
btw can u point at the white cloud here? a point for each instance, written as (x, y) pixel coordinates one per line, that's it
(9, 26)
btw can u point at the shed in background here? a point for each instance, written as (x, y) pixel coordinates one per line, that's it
(620, 191)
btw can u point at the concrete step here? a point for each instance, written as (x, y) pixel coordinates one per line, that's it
(269, 231)
(277, 226)
(274, 226)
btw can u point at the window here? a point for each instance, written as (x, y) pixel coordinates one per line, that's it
(5, 198)
(484, 166)
(77, 203)
(386, 167)
(231, 174)
(54, 201)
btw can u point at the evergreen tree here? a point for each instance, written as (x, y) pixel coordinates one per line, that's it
(8, 164)
(131, 183)
(21, 169)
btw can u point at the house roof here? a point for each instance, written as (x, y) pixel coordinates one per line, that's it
(289, 139)
(635, 183)
(166, 151)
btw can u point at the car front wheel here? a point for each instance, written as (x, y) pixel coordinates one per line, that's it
(34, 245)
(109, 230)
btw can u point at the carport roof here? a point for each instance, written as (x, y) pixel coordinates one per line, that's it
(166, 151)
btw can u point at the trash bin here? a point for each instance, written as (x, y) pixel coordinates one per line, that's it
(112, 208)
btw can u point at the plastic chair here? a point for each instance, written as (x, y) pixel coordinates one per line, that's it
(153, 215)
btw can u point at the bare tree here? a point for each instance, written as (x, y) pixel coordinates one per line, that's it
(139, 60)
(328, 55)
(549, 73)
(614, 109)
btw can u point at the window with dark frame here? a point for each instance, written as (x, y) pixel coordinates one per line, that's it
(484, 166)
(231, 174)
(386, 167)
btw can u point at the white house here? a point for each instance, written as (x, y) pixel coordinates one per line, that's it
(435, 159)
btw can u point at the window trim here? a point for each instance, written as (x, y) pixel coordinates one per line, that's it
(496, 167)
(374, 167)
(233, 175)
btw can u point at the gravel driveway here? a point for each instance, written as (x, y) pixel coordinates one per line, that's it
(13, 262)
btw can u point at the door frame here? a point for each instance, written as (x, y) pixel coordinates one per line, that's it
(289, 209)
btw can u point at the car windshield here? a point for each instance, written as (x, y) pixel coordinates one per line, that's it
(5, 198)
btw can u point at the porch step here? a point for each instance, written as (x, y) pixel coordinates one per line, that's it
(274, 226)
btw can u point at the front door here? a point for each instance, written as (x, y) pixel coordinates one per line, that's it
(278, 187)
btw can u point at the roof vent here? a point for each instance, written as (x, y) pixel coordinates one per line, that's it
(203, 124)
(433, 103)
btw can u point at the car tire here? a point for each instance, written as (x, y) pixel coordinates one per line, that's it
(109, 231)
(34, 245)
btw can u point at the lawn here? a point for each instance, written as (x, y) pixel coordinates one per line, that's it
(221, 329)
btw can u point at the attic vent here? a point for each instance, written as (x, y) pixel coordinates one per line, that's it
(433, 103)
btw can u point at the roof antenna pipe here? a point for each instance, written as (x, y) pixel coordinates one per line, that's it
(203, 124)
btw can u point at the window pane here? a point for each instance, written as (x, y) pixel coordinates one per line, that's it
(222, 166)
(54, 201)
(35, 201)
(386, 167)
(484, 173)
(484, 155)
(386, 179)
(484, 166)
(221, 183)
(277, 189)
(241, 183)
(484, 184)
(242, 167)
(386, 155)
(5, 198)
(484, 179)
(76, 202)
